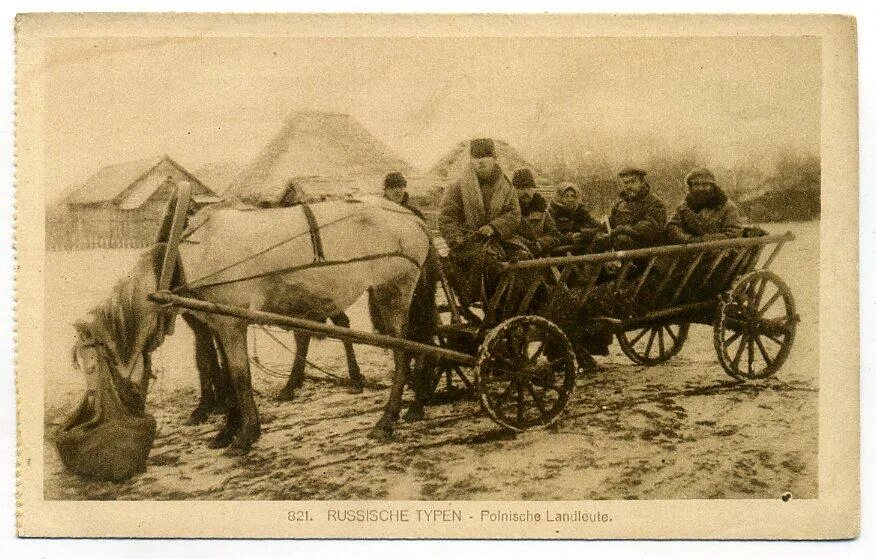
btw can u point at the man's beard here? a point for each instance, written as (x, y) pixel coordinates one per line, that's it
(486, 175)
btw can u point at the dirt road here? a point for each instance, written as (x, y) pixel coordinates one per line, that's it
(680, 430)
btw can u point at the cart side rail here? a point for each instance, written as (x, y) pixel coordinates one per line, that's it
(623, 255)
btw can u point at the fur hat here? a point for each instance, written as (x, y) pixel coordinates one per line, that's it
(482, 147)
(523, 179)
(631, 172)
(700, 174)
(395, 180)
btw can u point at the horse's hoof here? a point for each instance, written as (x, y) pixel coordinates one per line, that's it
(236, 449)
(355, 389)
(381, 433)
(414, 414)
(221, 440)
(199, 416)
(285, 395)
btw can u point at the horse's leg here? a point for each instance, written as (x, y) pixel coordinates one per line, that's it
(392, 301)
(296, 377)
(226, 399)
(208, 367)
(357, 382)
(232, 334)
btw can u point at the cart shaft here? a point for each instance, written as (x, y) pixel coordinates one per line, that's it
(313, 327)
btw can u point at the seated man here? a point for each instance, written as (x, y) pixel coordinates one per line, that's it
(573, 220)
(706, 213)
(537, 230)
(394, 189)
(637, 219)
(481, 206)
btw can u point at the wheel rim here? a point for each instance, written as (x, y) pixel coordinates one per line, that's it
(651, 345)
(525, 373)
(755, 326)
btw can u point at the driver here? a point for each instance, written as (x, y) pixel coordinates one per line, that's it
(480, 207)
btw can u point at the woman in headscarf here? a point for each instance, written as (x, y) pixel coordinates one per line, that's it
(572, 218)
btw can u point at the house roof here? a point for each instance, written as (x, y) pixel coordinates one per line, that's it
(321, 147)
(113, 181)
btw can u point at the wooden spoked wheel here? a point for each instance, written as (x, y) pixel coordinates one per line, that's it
(444, 378)
(755, 326)
(652, 345)
(525, 372)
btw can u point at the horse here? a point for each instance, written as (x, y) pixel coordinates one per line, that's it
(213, 388)
(264, 260)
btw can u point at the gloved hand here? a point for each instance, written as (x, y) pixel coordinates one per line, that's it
(486, 231)
(622, 230)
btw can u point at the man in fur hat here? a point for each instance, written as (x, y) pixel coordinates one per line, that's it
(706, 213)
(572, 218)
(394, 189)
(537, 229)
(637, 219)
(479, 207)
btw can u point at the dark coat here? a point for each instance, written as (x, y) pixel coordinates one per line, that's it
(537, 228)
(466, 206)
(718, 218)
(642, 219)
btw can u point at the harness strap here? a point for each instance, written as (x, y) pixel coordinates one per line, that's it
(315, 237)
(314, 264)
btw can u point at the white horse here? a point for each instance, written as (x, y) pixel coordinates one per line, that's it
(265, 260)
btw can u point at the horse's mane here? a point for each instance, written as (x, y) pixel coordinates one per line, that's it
(118, 320)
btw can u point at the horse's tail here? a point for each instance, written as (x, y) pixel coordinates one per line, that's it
(423, 314)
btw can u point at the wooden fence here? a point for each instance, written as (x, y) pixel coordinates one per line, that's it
(72, 231)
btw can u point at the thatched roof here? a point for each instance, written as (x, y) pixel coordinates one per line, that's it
(330, 152)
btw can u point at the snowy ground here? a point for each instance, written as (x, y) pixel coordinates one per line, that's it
(679, 430)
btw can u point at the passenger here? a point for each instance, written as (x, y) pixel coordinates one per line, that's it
(637, 219)
(394, 189)
(537, 228)
(572, 218)
(706, 213)
(481, 206)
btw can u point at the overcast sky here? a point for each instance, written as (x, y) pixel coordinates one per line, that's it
(213, 100)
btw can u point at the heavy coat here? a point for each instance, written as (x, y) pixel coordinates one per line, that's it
(537, 228)
(572, 220)
(466, 206)
(718, 218)
(642, 219)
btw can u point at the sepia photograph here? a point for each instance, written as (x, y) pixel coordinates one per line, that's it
(525, 274)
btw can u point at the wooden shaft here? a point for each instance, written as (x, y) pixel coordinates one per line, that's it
(715, 263)
(670, 312)
(772, 256)
(313, 327)
(687, 275)
(648, 252)
(642, 279)
(168, 265)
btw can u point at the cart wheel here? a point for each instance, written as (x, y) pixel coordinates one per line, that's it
(525, 372)
(755, 326)
(653, 345)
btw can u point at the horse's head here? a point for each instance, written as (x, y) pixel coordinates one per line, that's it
(109, 435)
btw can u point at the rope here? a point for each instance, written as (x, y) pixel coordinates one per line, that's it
(258, 363)
(263, 251)
(305, 267)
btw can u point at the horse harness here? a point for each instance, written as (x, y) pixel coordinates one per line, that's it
(315, 237)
